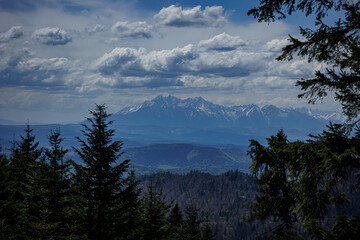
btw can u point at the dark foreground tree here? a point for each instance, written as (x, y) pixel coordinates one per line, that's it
(337, 46)
(4, 195)
(22, 205)
(321, 172)
(54, 193)
(154, 218)
(103, 179)
(271, 170)
(308, 184)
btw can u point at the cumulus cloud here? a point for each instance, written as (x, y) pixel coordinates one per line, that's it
(139, 62)
(52, 36)
(176, 16)
(132, 30)
(275, 45)
(12, 33)
(21, 67)
(170, 66)
(222, 42)
(43, 64)
(117, 60)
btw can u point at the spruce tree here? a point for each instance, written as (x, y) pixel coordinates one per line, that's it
(175, 221)
(102, 177)
(127, 212)
(154, 219)
(23, 207)
(270, 168)
(4, 196)
(192, 229)
(54, 194)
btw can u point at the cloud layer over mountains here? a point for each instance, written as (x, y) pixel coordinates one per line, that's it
(80, 53)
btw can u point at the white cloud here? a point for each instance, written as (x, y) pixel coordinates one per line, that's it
(176, 16)
(12, 33)
(222, 42)
(275, 45)
(191, 59)
(117, 59)
(132, 30)
(184, 51)
(22, 67)
(173, 62)
(41, 64)
(52, 36)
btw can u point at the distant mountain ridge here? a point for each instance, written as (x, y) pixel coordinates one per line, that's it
(165, 120)
(197, 112)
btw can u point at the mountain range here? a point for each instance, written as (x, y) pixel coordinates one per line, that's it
(197, 112)
(168, 133)
(196, 121)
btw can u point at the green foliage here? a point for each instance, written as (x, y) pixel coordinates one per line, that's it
(224, 200)
(192, 223)
(337, 46)
(45, 196)
(270, 168)
(319, 174)
(101, 179)
(303, 181)
(154, 218)
(175, 222)
(21, 208)
(4, 195)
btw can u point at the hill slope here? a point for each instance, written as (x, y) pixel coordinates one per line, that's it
(182, 158)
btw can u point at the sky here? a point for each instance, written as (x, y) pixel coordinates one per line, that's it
(58, 58)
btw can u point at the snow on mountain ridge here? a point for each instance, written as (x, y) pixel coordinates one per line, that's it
(195, 107)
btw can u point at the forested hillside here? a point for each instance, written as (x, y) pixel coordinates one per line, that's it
(224, 198)
(43, 195)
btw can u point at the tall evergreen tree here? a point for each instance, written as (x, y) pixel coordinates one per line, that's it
(306, 182)
(192, 229)
(127, 214)
(154, 219)
(4, 195)
(207, 233)
(270, 169)
(22, 207)
(53, 192)
(175, 221)
(102, 177)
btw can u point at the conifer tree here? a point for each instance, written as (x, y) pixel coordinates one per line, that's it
(270, 169)
(207, 232)
(4, 195)
(127, 212)
(325, 165)
(335, 45)
(102, 177)
(22, 207)
(54, 194)
(192, 229)
(175, 221)
(154, 219)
